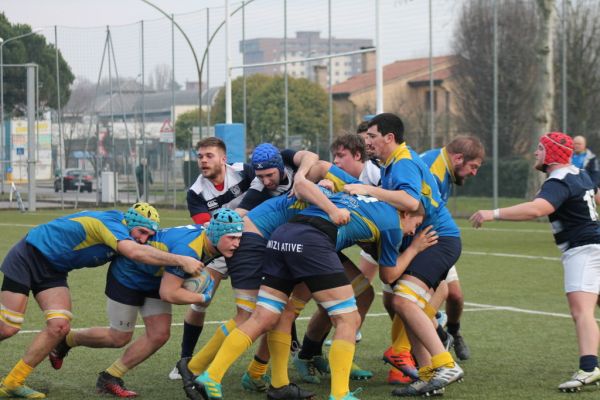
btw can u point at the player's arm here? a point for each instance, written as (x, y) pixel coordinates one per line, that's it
(423, 240)
(521, 212)
(318, 171)
(308, 191)
(197, 207)
(171, 291)
(150, 255)
(397, 198)
(304, 160)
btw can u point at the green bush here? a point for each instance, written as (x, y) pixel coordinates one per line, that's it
(512, 179)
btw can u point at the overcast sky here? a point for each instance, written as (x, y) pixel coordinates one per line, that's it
(82, 28)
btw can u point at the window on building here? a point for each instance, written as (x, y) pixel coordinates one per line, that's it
(428, 103)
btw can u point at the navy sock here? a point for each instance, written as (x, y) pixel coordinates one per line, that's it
(310, 348)
(453, 328)
(441, 333)
(191, 333)
(588, 363)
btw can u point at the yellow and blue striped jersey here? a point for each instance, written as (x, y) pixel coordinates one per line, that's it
(404, 170)
(85, 239)
(187, 240)
(439, 165)
(371, 221)
(276, 211)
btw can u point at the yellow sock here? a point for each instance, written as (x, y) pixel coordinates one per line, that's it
(441, 360)
(257, 369)
(425, 373)
(340, 362)
(233, 347)
(204, 357)
(401, 343)
(70, 339)
(279, 347)
(117, 369)
(16, 377)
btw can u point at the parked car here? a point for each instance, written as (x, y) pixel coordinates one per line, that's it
(74, 179)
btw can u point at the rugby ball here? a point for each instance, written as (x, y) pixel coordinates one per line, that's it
(198, 283)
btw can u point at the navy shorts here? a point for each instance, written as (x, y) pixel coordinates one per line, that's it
(245, 266)
(432, 265)
(27, 266)
(297, 251)
(120, 293)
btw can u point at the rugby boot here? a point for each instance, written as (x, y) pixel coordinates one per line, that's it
(109, 384)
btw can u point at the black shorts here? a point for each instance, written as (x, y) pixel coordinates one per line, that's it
(245, 266)
(27, 266)
(120, 293)
(432, 265)
(298, 250)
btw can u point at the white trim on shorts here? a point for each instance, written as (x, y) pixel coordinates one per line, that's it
(122, 317)
(582, 269)
(452, 275)
(219, 265)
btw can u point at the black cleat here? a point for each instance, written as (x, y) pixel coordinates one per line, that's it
(289, 392)
(58, 354)
(460, 347)
(187, 378)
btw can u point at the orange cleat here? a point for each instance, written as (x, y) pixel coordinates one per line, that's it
(397, 377)
(403, 361)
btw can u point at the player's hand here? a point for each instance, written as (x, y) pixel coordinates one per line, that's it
(208, 292)
(357, 188)
(340, 216)
(480, 217)
(327, 184)
(190, 265)
(424, 239)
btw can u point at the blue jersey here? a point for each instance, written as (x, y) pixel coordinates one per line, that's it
(574, 220)
(439, 165)
(371, 221)
(85, 239)
(404, 170)
(276, 211)
(187, 240)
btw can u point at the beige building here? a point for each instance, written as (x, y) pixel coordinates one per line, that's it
(406, 90)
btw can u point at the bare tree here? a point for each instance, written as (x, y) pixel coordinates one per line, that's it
(473, 43)
(161, 78)
(80, 104)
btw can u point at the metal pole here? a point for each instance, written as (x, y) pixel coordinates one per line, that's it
(378, 61)
(146, 164)
(207, 74)
(564, 67)
(330, 85)
(285, 77)
(431, 104)
(228, 117)
(244, 94)
(495, 113)
(59, 120)
(2, 136)
(112, 122)
(31, 139)
(173, 107)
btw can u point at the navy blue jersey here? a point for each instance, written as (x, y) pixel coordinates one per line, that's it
(574, 220)
(258, 193)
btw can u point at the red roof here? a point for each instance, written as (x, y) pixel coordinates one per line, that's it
(394, 71)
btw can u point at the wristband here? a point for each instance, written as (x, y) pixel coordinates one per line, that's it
(497, 213)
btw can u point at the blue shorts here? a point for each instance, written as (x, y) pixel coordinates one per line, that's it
(245, 266)
(432, 265)
(120, 293)
(27, 266)
(297, 251)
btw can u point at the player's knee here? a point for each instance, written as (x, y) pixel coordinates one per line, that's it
(455, 297)
(10, 322)
(7, 331)
(58, 322)
(160, 338)
(119, 338)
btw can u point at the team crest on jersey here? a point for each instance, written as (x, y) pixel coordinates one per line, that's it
(212, 204)
(235, 190)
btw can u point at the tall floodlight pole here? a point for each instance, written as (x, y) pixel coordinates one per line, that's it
(228, 116)
(31, 136)
(2, 133)
(378, 60)
(564, 66)
(431, 93)
(495, 112)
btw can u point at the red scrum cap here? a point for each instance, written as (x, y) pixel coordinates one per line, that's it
(558, 146)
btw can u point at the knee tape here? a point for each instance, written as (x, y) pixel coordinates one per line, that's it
(11, 318)
(298, 305)
(360, 284)
(416, 294)
(245, 302)
(197, 308)
(270, 302)
(336, 307)
(54, 314)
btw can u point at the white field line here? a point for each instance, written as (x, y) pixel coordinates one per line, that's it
(468, 228)
(478, 307)
(485, 253)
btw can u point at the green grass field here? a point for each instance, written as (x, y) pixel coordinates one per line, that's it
(516, 322)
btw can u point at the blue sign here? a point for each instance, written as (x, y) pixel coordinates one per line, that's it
(20, 151)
